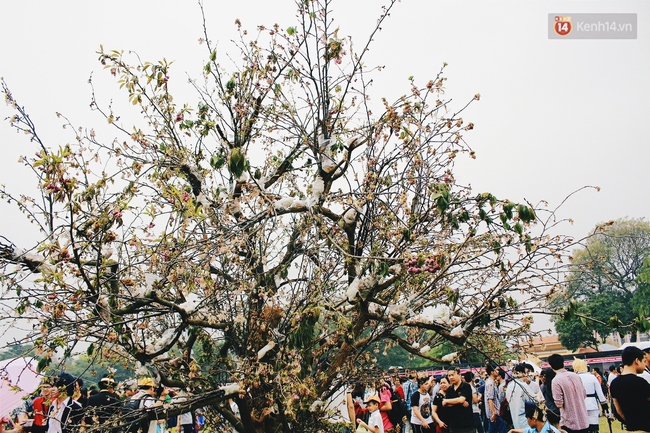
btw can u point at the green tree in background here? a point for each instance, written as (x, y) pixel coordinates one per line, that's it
(606, 290)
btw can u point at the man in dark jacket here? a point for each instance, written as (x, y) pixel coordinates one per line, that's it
(103, 407)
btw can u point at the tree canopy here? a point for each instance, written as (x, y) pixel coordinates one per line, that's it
(606, 288)
(272, 233)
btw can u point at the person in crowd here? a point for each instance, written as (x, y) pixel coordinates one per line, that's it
(630, 393)
(104, 407)
(421, 410)
(646, 361)
(569, 396)
(613, 372)
(504, 378)
(92, 390)
(434, 386)
(41, 407)
(552, 412)
(163, 396)
(531, 380)
(410, 387)
(374, 423)
(536, 420)
(480, 388)
(145, 398)
(601, 380)
(493, 402)
(440, 413)
(594, 394)
(468, 377)
(517, 393)
(8, 426)
(399, 389)
(128, 389)
(65, 414)
(597, 374)
(385, 394)
(459, 401)
(81, 393)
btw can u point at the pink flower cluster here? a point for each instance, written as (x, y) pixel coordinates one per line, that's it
(430, 265)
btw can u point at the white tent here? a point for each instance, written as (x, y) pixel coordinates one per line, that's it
(18, 378)
(640, 344)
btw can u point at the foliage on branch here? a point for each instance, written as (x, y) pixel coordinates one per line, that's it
(273, 232)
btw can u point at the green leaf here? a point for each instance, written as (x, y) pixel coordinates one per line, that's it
(519, 228)
(42, 364)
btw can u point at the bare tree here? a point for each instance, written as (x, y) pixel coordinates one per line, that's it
(272, 234)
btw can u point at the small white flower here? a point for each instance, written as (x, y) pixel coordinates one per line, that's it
(284, 203)
(397, 312)
(350, 216)
(318, 187)
(457, 332)
(450, 357)
(353, 290)
(264, 350)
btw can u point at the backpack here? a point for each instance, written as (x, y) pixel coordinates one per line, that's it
(398, 410)
(132, 415)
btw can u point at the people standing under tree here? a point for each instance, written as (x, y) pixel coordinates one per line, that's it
(41, 406)
(492, 401)
(536, 420)
(646, 361)
(517, 393)
(103, 407)
(601, 380)
(440, 413)
(65, 414)
(630, 393)
(594, 394)
(504, 410)
(552, 411)
(569, 396)
(385, 394)
(459, 402)
(476, 399)
(421, 410)
(143, 399)
(410, 387)
(374, 423)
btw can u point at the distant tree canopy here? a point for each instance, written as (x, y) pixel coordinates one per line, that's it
(271, 233)
(607, 288)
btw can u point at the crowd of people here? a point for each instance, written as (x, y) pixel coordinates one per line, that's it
(561, 398)
(63, 405)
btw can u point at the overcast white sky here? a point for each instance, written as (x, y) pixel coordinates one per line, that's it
(554, 115)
